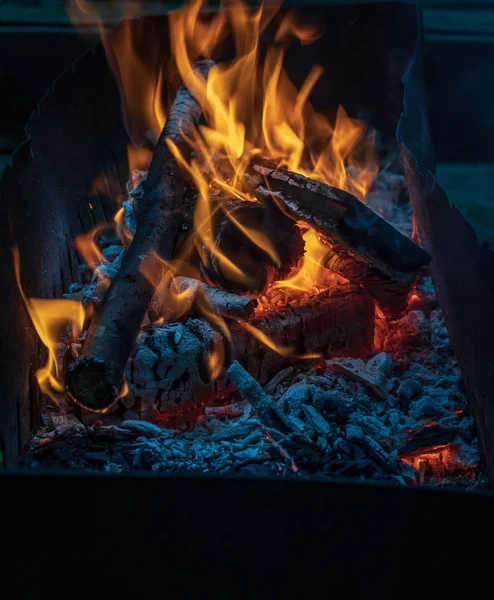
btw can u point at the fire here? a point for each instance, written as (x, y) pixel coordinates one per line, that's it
(251, 109)
(87, 247)
(140, 83)
(311, 277)
(50, 318)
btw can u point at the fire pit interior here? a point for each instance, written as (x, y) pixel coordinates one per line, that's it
(214, 263)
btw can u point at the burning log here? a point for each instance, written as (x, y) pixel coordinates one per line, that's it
(258, 239)
(364, 248)
(167, 375)
(224, 303)
(94, 379)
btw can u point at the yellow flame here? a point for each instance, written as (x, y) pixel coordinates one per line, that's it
(310, 277)
(123, 391)
(253, 109)
(286, 351)
(86, 245)
(50, 317)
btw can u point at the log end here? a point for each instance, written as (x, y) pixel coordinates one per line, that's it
(88, 384)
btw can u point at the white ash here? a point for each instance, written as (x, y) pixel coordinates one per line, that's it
(400, 416)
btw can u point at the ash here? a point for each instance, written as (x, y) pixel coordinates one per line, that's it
(399, 416)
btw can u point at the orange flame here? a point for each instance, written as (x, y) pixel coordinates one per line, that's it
(50, 317)
(141, 85)
(86, 245)
(252, 109)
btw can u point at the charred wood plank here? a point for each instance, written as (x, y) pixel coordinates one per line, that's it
(167, 375)
(365, 248)
(427, 438)
(94, 379)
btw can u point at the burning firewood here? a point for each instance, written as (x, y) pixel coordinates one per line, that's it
(167, 374)
(224, 303)
(363, 247)
(267, 257)
(95, 378)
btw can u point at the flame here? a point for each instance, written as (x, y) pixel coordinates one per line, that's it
(124, 235)
(140, 82)
(286, 351)
(123, 391)
(253, 109)
(50, 318)
(311, 277)
(291, 26)
(86, 245)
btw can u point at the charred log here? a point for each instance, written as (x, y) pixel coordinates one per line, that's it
(94, 379)
(167, 375)
(365, 248)
(224, 303)
(238, 227)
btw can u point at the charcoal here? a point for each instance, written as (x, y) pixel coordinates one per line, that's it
(408, 472)
(461, 456)
(409, 389)
(376, 451)
(450, 420)
(111, 433)
(356, 370)
(354, 432)
(317, 421)
(278, 379)
(429, 408)
(343, 447)
(144, 428)
(428, 437)
(253, 438)
(392, 400)
(392, 384)
(298, 394)
(331, 401)
(382, 363)
(371, 426)
(97, 457)
(467, 429)
(251, 454)
(439, 333)
(409, 332)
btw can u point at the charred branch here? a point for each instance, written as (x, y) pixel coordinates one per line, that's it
(365, 248)
(94, 379)
(224, 303)
(268, 412)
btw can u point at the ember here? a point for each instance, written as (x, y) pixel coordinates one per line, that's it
(259, 304)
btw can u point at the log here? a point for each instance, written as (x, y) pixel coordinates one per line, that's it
(224, 303)
(363, 247)
(167, 373)
(95, 378)
(261, 265)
